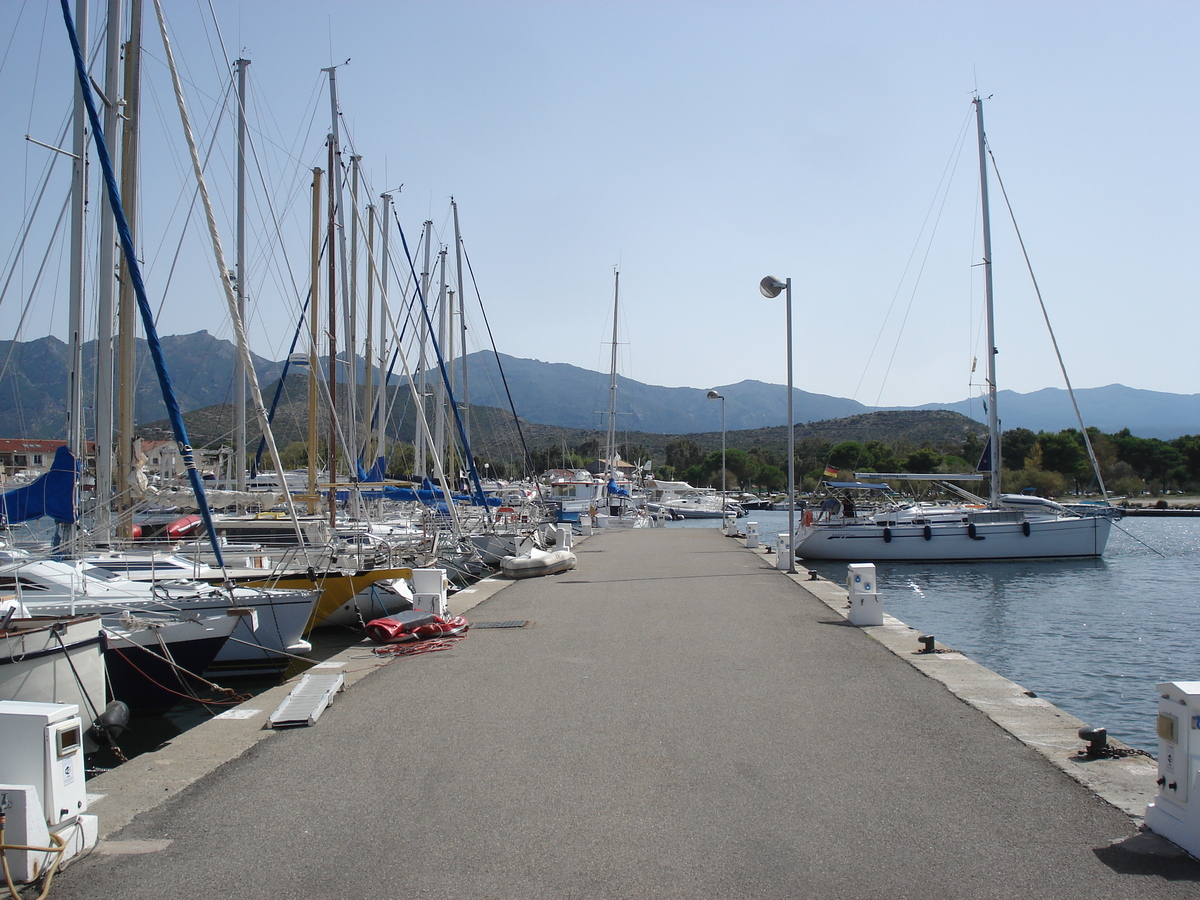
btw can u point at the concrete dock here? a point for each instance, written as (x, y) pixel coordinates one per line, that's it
(676, 719)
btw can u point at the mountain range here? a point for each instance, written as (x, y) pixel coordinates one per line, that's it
(33, 395)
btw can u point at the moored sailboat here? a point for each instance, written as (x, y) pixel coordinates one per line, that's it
(1002, 526)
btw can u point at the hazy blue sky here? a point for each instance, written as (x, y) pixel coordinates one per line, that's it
(699, 146)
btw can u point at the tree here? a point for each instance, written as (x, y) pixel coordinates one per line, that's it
(682, 453)
(1064, 453)
(1015, 447)
(923, 460)
(771, 478)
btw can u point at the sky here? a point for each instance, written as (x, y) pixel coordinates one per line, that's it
(696, 147)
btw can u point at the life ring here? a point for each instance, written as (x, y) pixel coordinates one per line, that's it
(807, 518)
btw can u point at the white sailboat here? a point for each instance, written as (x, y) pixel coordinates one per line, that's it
(614, 504)
(1004, 526)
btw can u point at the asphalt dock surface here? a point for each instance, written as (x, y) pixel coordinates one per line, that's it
(677, 719)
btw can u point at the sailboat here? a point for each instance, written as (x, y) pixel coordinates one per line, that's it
(614, 504)
(1003, 526)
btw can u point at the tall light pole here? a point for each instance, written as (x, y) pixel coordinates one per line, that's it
(770, 287)
(713, 395)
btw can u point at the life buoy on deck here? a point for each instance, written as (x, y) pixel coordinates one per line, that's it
(807, 517)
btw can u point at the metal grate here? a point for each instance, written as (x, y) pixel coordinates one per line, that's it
(307, 700)
(516, 623)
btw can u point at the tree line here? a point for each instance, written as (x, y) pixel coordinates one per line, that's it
(1049, 463)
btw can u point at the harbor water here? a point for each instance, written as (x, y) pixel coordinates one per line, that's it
(1093, 637)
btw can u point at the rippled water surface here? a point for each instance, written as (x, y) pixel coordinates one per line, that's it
(1091, 636)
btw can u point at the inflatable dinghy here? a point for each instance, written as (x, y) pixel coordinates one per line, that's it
(539, 562)
(414, 625)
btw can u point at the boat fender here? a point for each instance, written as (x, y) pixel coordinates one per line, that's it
(927, 533)
(887, 535)
(971, 531)
(1025, 529)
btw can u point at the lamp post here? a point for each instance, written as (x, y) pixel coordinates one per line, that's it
(770, 287)
(713, 395)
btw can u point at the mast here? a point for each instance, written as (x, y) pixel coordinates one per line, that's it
(462, 315)
(127, 308)
(314, 338)
(332, 450)
(355, 448)
(440, 394)
(423, 328)
(239, 378)
(337, 235)
(106, 289)
(385, 269)
(993, 416)
(75, 426)
(368, 349)
(611, 447)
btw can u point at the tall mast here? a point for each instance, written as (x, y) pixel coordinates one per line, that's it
(106, 288)
(127, 310)
(423, 330)
(462, 315)
(75, 427)
(439, 387)
(368, 352)
(239, 379)
(611, 448)
(314, 340)
(352, 313)
(385, 269)
(332, 450)
(993, 416)
(338, 206)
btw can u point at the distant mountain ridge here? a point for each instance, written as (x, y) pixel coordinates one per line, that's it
(561, 394)
(33, 395)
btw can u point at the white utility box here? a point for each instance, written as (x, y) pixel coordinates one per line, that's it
(783, 551)
(865, 606)
(751, 535)
(1175, 812)
(429, 590)
(42, 783)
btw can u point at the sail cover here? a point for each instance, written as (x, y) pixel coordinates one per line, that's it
(53, 494)
(616, 490)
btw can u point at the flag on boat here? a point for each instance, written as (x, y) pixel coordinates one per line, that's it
(831, 472)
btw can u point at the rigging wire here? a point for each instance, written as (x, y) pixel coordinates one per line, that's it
(1053, 340)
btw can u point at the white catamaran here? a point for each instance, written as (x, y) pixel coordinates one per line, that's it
(1005, 526)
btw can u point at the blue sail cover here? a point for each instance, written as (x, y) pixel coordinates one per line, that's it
(53, 494)
(375, 474)
(615, 490)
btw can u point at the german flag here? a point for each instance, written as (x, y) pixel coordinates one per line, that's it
(831, 472)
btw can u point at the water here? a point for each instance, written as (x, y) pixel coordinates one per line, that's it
(1093, 637)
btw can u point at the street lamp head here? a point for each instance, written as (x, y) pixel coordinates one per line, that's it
(771, 286)
(713, 395)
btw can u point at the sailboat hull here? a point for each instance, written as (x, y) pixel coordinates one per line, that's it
(1057, 537)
